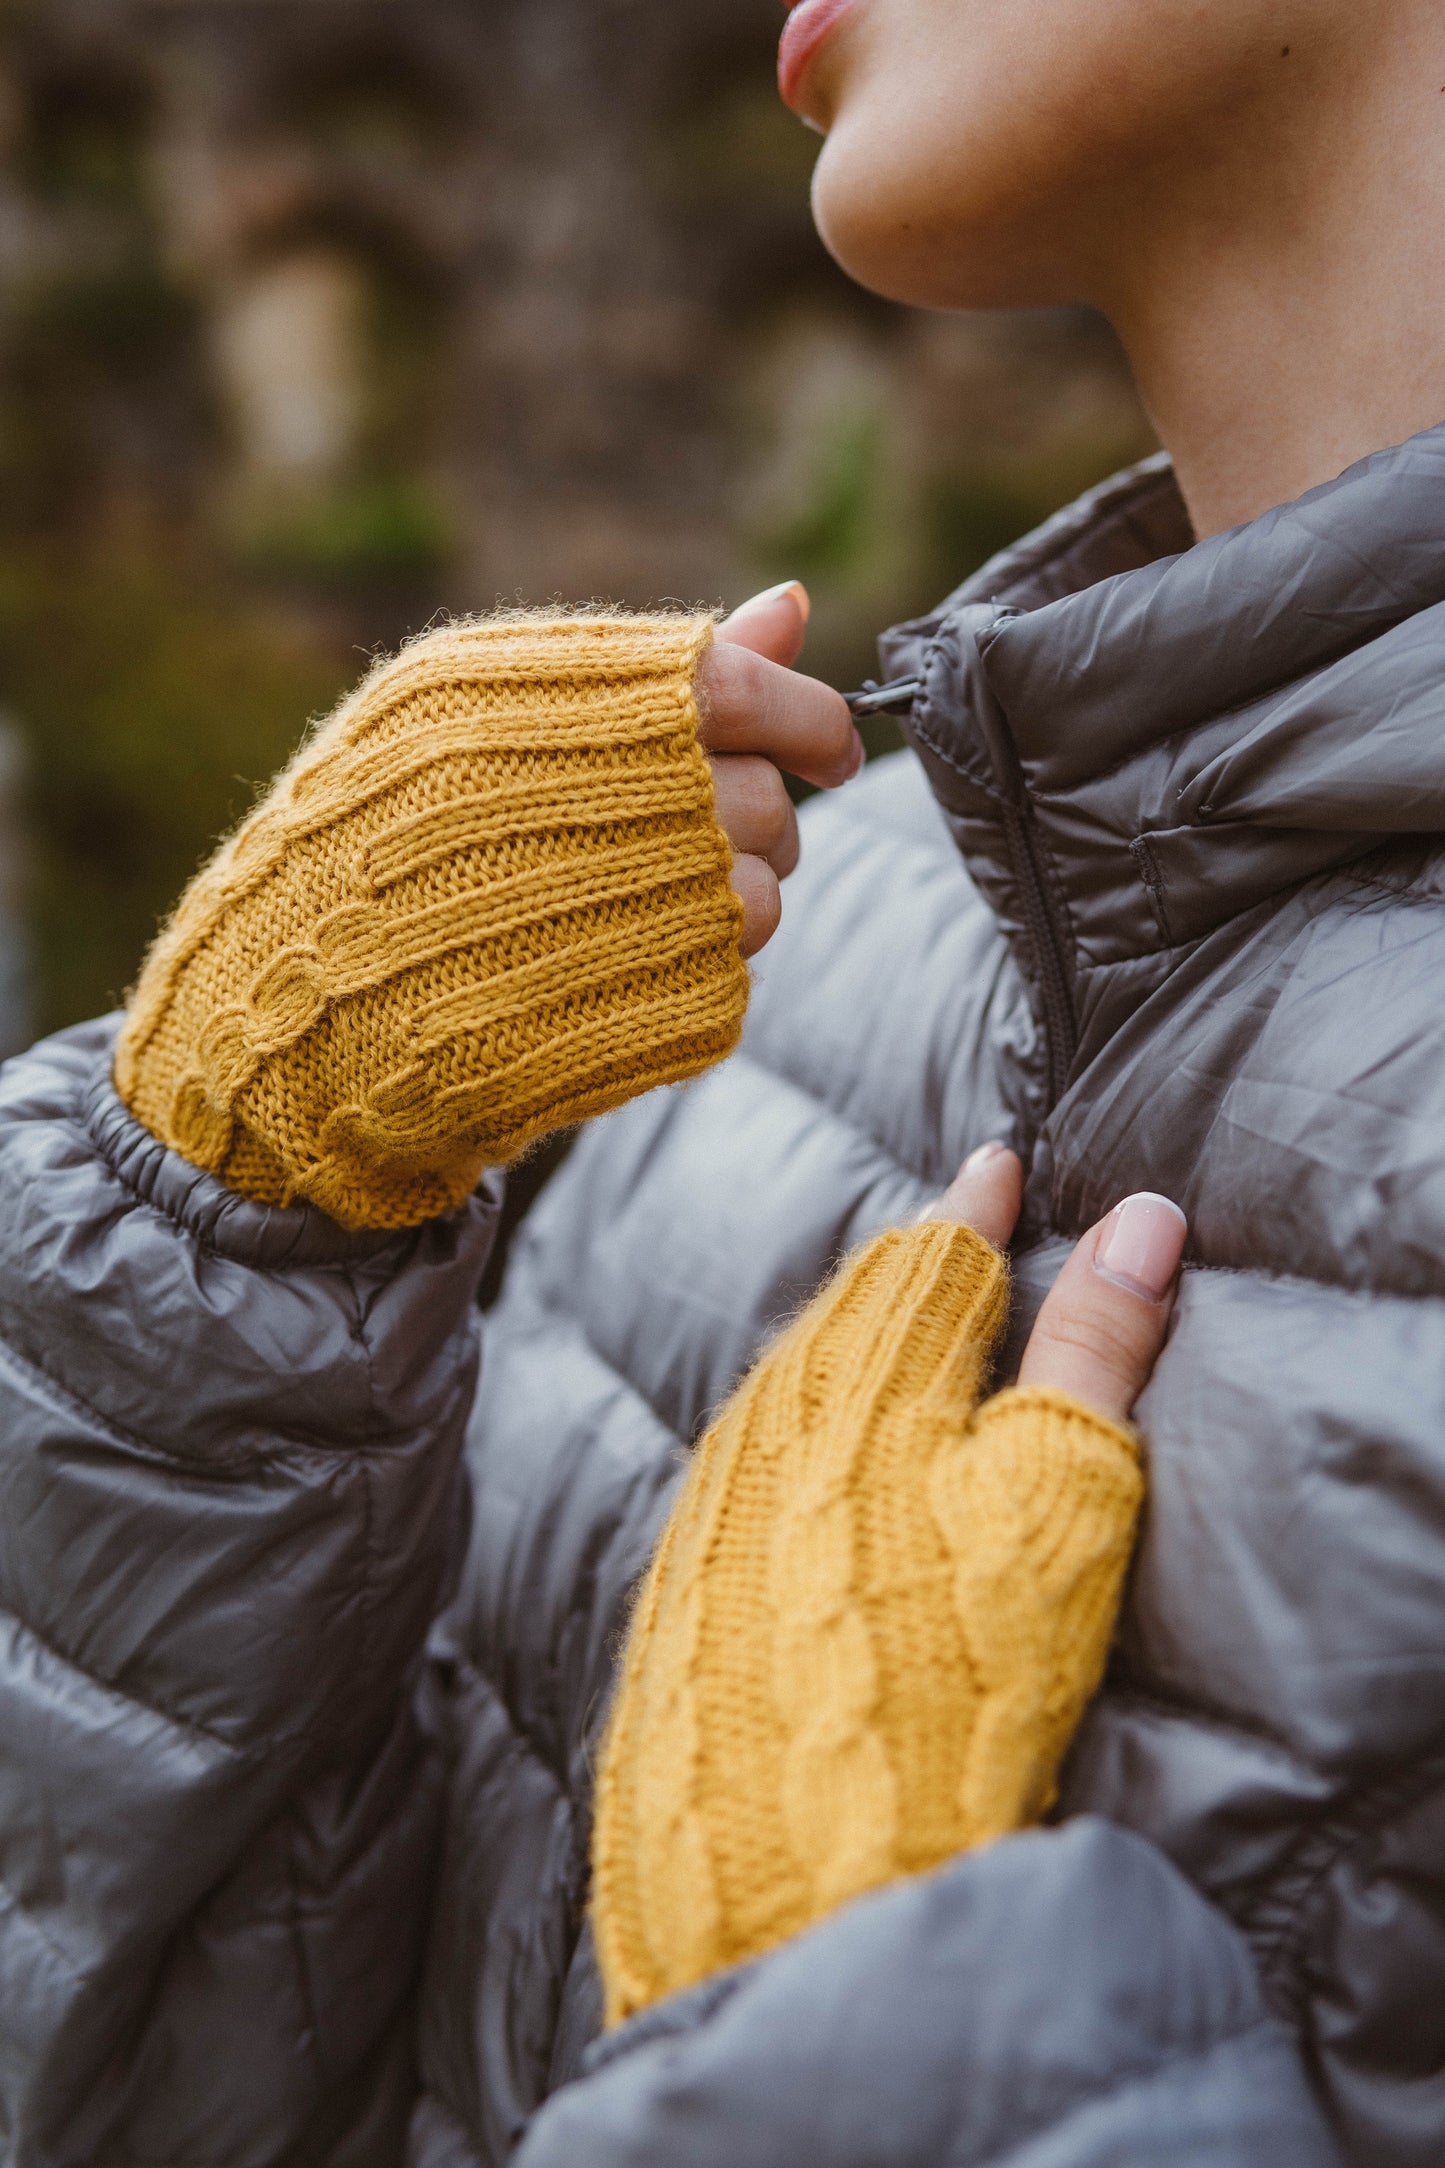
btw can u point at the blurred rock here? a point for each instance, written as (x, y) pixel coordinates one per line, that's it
(353, 309)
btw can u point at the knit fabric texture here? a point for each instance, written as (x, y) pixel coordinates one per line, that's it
(869, 1631)
(488, 898)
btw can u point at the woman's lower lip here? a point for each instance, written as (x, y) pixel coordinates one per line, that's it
(803, 33)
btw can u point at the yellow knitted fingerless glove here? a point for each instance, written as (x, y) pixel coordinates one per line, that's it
(870, 1629)
(489, 897)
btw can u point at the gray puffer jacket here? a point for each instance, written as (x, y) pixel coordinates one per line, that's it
(294, 1771)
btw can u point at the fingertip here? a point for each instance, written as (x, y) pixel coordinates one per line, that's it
(1140, 1246)
(852, 753)
(985, 1194)
(772, 623)
(857, 757)
(756, 886)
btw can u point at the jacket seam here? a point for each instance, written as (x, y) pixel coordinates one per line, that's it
(1270, 1278)
(1204, 1717)
(1279, 1920)
(919, 731)
(1050, 872)
(1172, 2059)
(780, 1074)
(1274, 1911)
(75, 1974)
(188, 1727)
(366, 1590)
(1114, 768)
(1141, 850)
(1375, 884)
(1136, 491)
(163, 1456)
(526, 1738)
(1350, 887)
(296, 1936)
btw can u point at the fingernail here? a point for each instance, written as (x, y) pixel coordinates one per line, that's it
(795, 588)
(1141, 1243)
(860, 754)
(983, 1155)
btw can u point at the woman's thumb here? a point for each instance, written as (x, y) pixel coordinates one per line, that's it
(1099, 1334)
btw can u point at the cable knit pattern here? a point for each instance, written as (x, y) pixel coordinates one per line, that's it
(489, 897)
(870, 1629)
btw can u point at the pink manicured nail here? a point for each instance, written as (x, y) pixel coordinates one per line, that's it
(795, 588)
(1141, 1243)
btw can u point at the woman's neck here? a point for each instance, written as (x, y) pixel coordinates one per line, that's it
(1287, 317)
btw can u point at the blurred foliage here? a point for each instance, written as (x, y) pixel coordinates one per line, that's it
(82, 137)
(152, 706)
(160, 655)
(386, 529)
(830, 533)
(592, 329)
(883, 480)
(737, 143)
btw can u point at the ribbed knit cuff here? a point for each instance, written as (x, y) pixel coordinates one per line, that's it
(488, 898)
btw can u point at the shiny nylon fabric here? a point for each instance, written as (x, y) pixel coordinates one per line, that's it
(228, 1445)
(230, 1507)
(1224, 765)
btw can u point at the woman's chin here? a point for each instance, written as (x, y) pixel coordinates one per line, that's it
(902, 242)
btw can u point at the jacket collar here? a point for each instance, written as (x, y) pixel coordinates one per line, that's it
(1136, 739)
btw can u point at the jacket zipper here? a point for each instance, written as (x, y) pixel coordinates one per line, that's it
(1040, 909)
(1061, 1030)
(1040, 906)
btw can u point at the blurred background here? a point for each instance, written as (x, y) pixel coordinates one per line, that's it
(320, 316)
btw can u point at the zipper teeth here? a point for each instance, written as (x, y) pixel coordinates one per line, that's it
(1060, 1031)
(1061, 1036)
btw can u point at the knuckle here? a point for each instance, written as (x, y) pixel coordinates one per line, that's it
(756, 886)
(772, 806)
(1104, 1341)
(841, 722)
(774, 698)
(722, 685)
(767, 803)
(752, 798)
(832, 724)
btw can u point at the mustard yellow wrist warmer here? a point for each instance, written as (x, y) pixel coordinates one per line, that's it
(870, 1629)
(489, 897)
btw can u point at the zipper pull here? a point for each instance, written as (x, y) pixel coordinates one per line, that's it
(876, 699)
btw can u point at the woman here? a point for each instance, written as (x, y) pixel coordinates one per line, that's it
(1189, 862)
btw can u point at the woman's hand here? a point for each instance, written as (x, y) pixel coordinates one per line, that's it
(1099, 1333)
(757, 718)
